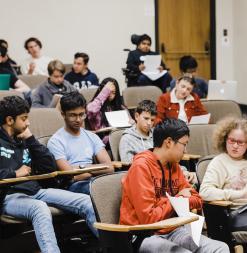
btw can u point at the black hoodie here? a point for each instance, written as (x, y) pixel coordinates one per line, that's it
(14, 153)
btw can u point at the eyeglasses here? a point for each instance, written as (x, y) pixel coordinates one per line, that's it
(232, 141)
(184, 144)
(74, 116)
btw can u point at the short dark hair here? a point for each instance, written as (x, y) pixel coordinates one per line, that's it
(72, 101)
(144, 37)
(173, 128)
(32, 39)
(12, 106)
(187, 62)
(146, 106)
(84, 56)
(3, 51)
(3, 43)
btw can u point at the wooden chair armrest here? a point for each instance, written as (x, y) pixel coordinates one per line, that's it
(119, 164)
(131, 107)
(28, 178)
(187, 157)
(165, 224)
(88, 168)
(224, 203)
(104, 130)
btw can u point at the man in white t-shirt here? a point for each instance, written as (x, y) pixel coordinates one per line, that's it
(37, 63)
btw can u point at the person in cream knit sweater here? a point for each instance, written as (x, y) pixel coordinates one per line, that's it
(226, 175)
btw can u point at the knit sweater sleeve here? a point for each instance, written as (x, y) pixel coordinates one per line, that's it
(212, 187)
(95, 106)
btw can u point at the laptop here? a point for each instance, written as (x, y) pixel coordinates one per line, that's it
(225, 90)
(4, 81)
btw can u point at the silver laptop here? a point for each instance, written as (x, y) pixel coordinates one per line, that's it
(225, 90)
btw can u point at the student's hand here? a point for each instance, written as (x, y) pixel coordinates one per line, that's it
(110, 86)
(244, 192)
(83, 176)
(26, 134)
(160, 68)
(141, 67)
(23, 171)
(186, 192)
(189, 176)
(31, 68)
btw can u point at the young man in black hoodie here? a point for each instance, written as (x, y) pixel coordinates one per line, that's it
(135, 64)
(21, 155)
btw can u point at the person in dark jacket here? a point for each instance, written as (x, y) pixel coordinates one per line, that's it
(81, 77)
(8, 62)
(22, 155)
(135, 66)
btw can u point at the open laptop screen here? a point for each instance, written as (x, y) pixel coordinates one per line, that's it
(4, 81)
(225, 90)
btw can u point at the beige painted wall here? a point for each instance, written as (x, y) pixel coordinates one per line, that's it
(224, 49)
(102, 28)
(240, 48)
(231, 57)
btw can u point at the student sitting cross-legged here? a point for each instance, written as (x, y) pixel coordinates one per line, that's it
(72, 145)
(154, 173)
(22, 155)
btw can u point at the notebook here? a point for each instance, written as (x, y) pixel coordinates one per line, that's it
(4, 81)
(118, 118)
(225, 90)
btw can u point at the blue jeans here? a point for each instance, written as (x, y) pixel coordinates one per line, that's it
(80, 186)
(35, 209)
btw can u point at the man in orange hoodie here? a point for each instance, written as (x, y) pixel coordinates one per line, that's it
(153, 173)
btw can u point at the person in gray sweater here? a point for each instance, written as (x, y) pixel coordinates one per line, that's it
(49, 92)
(140, 136)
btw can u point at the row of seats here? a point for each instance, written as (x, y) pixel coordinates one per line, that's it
(133, 95)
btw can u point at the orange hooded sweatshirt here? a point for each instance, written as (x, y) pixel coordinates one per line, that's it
(143, 197)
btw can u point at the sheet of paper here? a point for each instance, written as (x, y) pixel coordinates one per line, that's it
(152, 63)
(181, 206)
(118, 118)
(201, 119)
(196, 228)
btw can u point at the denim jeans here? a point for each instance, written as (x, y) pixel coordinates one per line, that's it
(180, 241)
(35, 209)
(80, 186)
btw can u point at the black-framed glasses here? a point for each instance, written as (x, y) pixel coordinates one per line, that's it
(184, 144)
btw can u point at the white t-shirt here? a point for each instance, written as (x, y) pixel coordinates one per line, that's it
(40, 65)
(182, 115)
